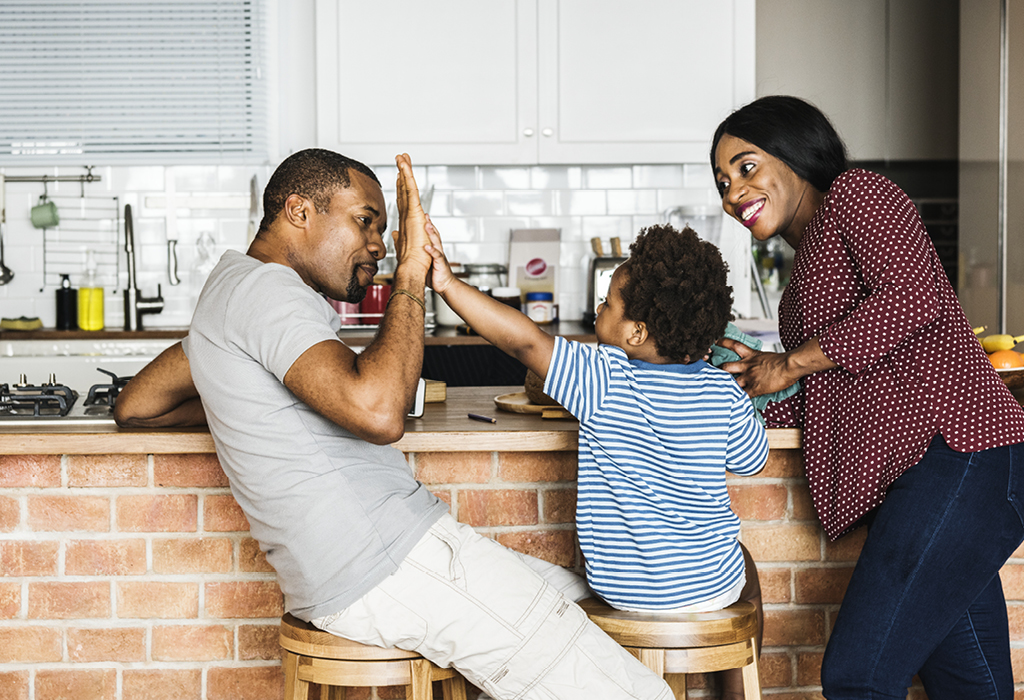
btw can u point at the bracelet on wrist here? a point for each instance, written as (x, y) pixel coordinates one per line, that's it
(403, 292)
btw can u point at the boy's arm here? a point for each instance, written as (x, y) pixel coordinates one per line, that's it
(504, 327)
(161, 395)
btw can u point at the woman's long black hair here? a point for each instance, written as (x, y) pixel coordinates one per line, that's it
(794, 131)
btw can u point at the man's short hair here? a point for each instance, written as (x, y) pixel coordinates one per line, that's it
(315, 174)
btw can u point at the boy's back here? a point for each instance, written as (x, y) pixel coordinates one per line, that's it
(653, 512)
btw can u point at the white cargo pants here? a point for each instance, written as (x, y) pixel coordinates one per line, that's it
(506, 621)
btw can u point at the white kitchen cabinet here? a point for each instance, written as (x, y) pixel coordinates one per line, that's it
(530, 81)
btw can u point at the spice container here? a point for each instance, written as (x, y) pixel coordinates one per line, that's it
(540, 307)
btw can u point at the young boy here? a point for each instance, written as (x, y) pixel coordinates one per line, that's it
(659, 427)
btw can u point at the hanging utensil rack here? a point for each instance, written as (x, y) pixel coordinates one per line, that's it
(85, 222)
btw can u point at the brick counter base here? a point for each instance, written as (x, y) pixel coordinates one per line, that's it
(125, 577)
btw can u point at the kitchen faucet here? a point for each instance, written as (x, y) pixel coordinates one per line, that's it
(135, 305)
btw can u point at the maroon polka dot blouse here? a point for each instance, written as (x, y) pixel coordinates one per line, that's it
(867, 282)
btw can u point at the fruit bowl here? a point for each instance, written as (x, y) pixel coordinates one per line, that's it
(1013, 378)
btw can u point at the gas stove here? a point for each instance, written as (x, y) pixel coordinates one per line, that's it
(50, 403)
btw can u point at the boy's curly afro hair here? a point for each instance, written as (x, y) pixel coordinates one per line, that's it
(676, 284)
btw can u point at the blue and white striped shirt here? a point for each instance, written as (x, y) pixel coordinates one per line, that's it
(653, 513)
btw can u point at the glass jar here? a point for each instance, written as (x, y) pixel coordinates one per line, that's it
(540, 307)
(485, 276)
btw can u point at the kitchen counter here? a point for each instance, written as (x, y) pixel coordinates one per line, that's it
(125, 560)
(441, 335)
(444, 427)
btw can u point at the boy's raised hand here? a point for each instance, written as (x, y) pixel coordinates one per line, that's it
(440, 275)
(411, 237)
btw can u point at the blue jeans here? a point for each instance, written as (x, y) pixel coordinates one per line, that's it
(925, 596)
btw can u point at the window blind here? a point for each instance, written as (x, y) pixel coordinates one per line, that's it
(133, 82)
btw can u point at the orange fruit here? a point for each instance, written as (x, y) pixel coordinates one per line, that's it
(1006, 359)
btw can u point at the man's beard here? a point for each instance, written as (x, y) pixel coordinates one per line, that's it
(355, 292)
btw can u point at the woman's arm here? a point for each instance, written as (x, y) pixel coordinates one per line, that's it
(161, 395)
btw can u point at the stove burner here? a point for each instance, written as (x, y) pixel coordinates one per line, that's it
(23, 399)
(105, 394)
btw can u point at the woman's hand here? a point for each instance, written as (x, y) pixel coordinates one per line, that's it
(440, 275)
(762, 373)
(411, 238)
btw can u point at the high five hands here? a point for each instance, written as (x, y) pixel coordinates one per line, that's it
(411, 237)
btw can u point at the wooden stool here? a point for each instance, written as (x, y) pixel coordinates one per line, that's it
(314, 656)
(681, 643)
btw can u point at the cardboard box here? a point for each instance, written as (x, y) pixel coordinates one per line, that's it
(533, 258)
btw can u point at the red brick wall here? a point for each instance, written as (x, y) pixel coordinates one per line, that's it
(134, 576)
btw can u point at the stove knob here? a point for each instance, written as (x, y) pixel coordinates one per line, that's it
(22, 381)
(53, 380)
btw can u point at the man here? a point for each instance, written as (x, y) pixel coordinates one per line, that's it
(302, 426)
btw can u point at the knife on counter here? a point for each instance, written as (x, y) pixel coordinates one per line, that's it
(254, 208)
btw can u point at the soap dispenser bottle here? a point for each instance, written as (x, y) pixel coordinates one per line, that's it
(90, 297)
(67, 305)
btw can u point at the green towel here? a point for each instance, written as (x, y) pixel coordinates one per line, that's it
(720, 355)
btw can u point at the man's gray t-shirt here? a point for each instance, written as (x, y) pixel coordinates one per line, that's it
(334, 513)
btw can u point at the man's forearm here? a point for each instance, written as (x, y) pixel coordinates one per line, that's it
(396, 353)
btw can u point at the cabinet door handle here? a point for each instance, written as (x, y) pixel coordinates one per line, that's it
(548, 132)
(527, 132)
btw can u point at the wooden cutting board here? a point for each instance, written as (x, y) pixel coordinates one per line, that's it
(519, 402)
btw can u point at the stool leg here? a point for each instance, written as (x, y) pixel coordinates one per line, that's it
(332, 692)
(677, 682)
(294, 689)
(454, 688)
(752, 677)
(421, 687)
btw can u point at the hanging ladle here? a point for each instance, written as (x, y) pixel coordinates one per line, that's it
(5, 272)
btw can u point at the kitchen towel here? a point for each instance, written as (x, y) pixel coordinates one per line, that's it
(720, 355)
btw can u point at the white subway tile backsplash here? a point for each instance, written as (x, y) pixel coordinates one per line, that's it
(478, 203)
(450, 177)
(474, 207)
(606, 227)
(698, 175)
(657, 176)
(493, 178)
(579, 202)
(529, 203)
(498, 229)
(551, 177)
(456, 229)
(607, 177)
(632, 201)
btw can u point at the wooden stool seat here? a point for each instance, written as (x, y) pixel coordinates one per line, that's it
(314, 656)
(675, 644)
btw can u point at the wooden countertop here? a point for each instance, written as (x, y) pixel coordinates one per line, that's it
(444, 427)
(441, 335)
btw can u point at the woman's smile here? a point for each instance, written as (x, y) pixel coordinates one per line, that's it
(750, 212)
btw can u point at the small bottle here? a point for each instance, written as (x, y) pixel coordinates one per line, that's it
(67, 306)
(90, 297)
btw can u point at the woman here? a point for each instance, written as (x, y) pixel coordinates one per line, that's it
(906, 426)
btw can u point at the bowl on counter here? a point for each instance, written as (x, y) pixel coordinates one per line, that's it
(1013, 378)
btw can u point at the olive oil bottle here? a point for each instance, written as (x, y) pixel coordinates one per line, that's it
(90, 297)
